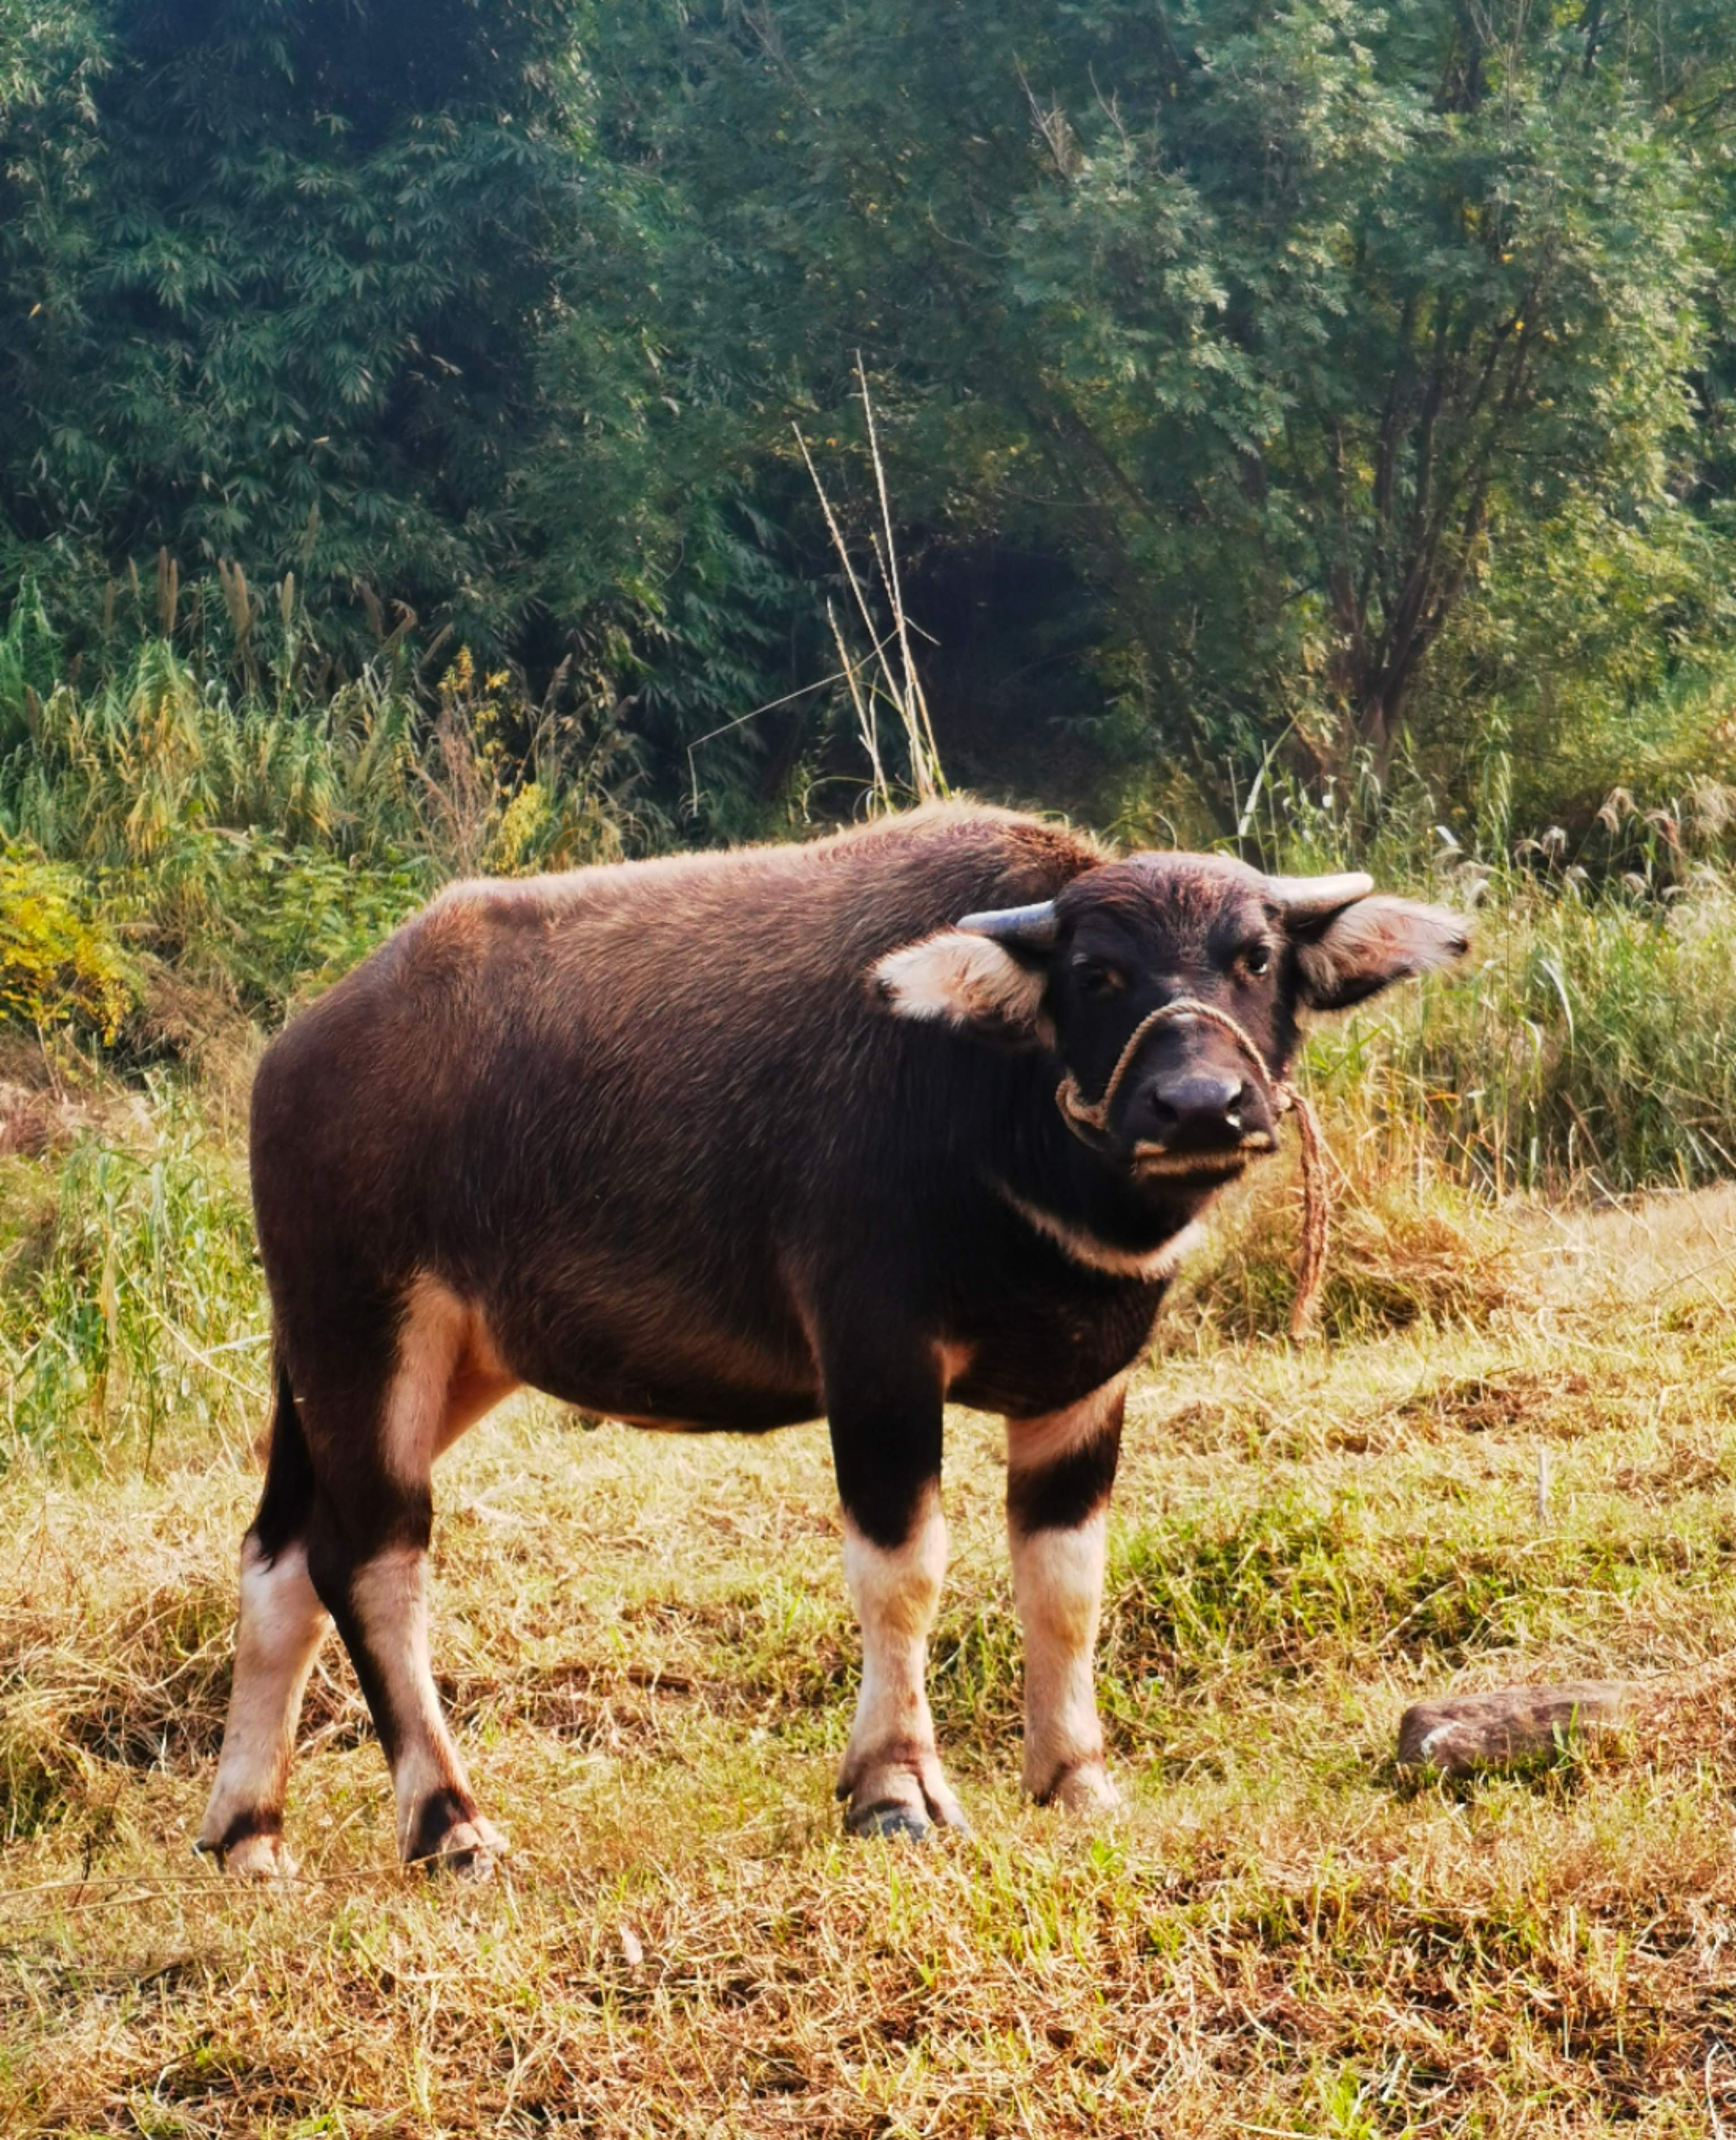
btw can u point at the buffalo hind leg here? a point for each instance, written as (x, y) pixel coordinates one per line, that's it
(342, 1535)
(887, 1455)
(281, 1626)
(1060, 1469)
(373, 1578)
(368, 1556)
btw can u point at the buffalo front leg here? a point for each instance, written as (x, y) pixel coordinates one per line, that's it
(1060, 1469)
(888, 1464)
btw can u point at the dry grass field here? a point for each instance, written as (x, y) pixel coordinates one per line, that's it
(645, 1643)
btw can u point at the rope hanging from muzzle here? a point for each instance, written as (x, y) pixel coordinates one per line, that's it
(1089, 1121)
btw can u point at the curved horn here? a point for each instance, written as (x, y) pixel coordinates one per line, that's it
(1026, 928)
(1308, 898)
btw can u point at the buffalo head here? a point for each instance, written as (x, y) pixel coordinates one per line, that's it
(1082, 975)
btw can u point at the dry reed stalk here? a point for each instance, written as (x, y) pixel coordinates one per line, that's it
(925, 752)
(903, 692)
(865, 724)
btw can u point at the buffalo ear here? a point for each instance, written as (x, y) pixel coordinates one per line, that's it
(1366, 946)
(964, 979)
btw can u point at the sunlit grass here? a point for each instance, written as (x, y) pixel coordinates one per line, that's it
(132, 1300)
(1590, 1045)
(645, 1646)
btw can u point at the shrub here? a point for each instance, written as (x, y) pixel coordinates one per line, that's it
(59, 964)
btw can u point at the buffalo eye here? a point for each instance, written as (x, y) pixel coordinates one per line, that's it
(1255, 959)
(1097, 979)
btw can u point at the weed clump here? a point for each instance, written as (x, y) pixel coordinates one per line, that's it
(60, 962)
(133, 1304)
(257, 842)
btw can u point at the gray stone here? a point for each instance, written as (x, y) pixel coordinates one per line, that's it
(1493, 1731)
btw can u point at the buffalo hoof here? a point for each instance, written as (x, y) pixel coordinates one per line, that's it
(891, 1818)
(468, 1850)
(902, 1793)
(261, 1859)
(1085, 1787)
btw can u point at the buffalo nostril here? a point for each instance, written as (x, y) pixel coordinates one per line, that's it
(1200, 1105)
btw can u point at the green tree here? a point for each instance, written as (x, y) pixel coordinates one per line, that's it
(1283, 322)
(277, 293)
(1324, 366)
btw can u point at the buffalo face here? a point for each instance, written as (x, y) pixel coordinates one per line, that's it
(1169, 988)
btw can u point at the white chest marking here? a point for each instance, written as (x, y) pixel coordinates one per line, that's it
(1081, 1247)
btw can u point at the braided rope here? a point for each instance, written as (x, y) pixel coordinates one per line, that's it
(1089, 1121)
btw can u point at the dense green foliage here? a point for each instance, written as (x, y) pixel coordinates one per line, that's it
(1300, 421)
(181, 862)
(277, 269)
(1288, 326)
(1344, 373)
(257, 842)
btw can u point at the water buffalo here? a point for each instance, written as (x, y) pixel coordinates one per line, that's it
(734, 1141)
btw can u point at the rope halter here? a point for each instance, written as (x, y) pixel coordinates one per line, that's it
(1089, 1121)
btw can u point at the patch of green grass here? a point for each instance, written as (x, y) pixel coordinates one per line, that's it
(1589, 1043)
(133, 1304)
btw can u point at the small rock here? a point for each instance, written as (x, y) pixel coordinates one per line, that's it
(632, 1947)
(1493, 1731)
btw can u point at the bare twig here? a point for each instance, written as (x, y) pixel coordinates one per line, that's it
(771, 706)
(865, 723)
(924, 755)
(903, 691)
